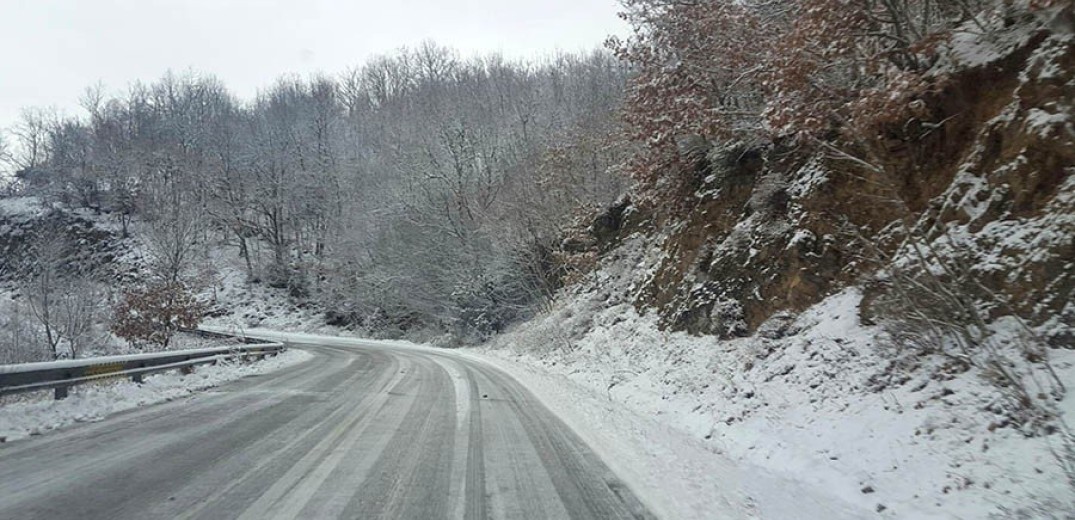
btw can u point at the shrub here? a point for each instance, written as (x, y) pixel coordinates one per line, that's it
(152, 314)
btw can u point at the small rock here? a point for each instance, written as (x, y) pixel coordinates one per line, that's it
(867, 490)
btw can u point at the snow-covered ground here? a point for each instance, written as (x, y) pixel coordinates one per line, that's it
(38, 413)
(21, 208)
(810, 409)
(674, 473)
(806, 420)
(254, 304)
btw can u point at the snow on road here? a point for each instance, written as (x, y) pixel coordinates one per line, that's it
(362, 430)
(674, 474)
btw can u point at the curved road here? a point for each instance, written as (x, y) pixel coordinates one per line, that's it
(362, 430)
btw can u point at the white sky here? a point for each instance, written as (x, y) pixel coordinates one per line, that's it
(51, 50)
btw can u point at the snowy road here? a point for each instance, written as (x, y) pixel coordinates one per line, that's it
(362, 430)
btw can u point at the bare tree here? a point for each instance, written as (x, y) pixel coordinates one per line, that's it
(17, 343)
(61, 294)
(31, 133)
(5, 152)
(172, 231)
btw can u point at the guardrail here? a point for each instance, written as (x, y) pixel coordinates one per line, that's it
(62, 375)
(232, 333)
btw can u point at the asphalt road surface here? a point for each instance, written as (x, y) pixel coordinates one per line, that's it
(365, 431)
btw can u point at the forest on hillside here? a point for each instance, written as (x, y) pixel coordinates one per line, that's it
(419, 189)
(425, 189)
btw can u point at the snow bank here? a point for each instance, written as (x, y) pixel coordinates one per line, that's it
(39, 413)
(810, 418)
(676, 474)
(21, 209)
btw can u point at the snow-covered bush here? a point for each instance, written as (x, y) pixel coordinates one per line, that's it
(152, 314)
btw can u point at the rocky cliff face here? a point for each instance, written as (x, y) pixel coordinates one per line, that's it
(979, 182)
(30, 229)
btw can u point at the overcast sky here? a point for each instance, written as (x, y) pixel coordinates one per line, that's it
(51, 50)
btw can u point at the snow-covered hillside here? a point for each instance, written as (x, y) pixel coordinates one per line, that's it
(885, 318)
(816, 399)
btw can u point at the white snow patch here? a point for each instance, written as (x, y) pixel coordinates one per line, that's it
(21, 208)
(970, 48)
(807, 179)
(1045, 124)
